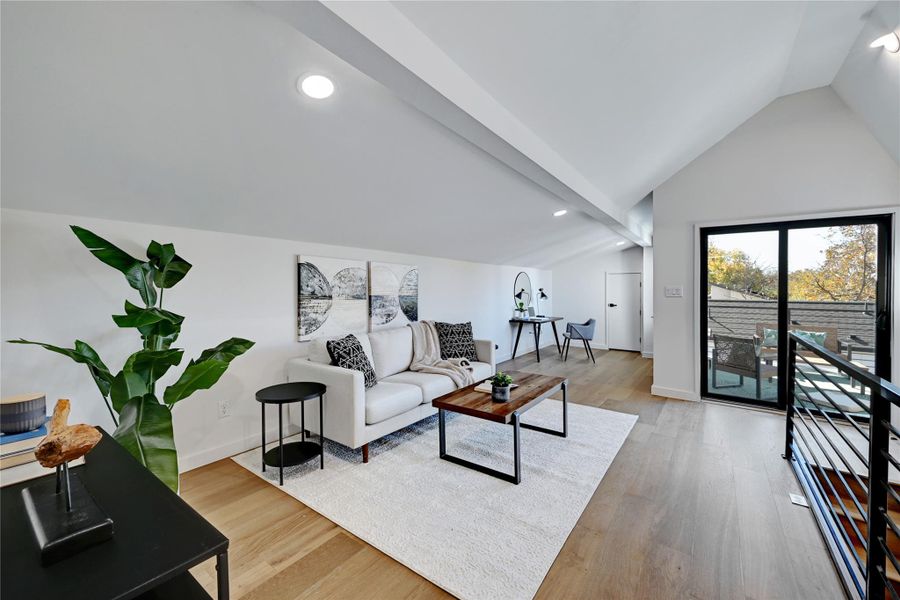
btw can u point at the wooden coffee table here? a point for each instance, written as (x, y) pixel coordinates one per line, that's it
(533, 388)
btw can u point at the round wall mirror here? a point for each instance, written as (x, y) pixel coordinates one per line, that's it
(522, 292)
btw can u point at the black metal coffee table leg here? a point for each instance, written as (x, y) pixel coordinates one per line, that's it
(565, 419)
(516, 477)
(222, 576)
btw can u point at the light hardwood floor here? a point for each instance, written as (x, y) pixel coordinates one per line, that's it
(694, 506)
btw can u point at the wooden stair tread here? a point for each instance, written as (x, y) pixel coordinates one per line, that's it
(892, 573)
(854, 513)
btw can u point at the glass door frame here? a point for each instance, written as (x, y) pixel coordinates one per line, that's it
(883, 292)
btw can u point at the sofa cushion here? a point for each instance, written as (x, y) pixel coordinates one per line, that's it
(456, 340)
(387, 400)
(481, 371)
(432, 384)
(391, 350)
(318, 351)
(348, 353)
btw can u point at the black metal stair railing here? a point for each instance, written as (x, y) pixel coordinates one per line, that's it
(838, 440)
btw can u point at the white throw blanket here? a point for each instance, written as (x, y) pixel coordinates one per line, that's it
(427, 356)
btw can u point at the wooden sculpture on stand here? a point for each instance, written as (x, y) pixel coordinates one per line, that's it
(65, 442)
(63, 514)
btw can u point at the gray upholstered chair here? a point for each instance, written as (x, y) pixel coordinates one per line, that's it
(740, 356)
(584, 333)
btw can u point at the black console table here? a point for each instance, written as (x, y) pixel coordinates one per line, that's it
(157, 538)
(536, 323)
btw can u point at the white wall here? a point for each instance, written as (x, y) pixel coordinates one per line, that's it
(579, 285)
(803, 154)
(54, 291)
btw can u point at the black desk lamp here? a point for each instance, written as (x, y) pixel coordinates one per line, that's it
(542, 295)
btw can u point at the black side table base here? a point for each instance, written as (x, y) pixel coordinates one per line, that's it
(295, 453)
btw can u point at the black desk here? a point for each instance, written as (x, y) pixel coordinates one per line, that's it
(157, 538)
(536, 323)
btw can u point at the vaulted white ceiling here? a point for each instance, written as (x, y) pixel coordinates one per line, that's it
(187, 114)
(452, 121)
(630, 92)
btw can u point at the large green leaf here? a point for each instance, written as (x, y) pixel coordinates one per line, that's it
(159, 328)
(141, 277)
(227, 350)
(160, 254)
(150, 365)
(203, 373)
(145, 430)
(108, 253)
(197, 376)
(125, 386)
(170, 268)
(84, 354)
(139, 274)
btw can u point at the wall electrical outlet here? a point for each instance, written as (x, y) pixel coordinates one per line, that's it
(224, 408)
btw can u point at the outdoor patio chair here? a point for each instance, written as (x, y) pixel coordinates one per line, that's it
(740, 356)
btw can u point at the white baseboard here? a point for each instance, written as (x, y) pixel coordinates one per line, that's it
(647, 354)
(211, 455)
(523, 350)
(658, 390)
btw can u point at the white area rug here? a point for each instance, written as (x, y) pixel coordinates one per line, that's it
(473, 535)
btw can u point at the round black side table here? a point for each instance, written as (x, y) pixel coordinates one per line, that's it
(295, 453)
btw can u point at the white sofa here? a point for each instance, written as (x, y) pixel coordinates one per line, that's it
(354, 415)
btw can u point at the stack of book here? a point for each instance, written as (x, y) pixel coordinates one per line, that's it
(17, 460)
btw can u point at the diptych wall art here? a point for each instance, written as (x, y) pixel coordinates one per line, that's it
(393, 295)
(331, 297)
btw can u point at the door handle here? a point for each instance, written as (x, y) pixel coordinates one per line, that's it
(611, 305)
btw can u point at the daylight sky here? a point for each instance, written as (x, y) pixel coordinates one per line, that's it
(805, 246)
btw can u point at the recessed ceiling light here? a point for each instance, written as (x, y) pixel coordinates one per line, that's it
(890, 42)
(315, 86)
(622, 243)
(560, 213)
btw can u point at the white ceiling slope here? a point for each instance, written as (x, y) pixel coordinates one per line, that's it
(417, 81)
(625, 93)
(869, 80)
(187, 114)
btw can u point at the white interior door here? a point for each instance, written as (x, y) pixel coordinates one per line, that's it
(623, 311)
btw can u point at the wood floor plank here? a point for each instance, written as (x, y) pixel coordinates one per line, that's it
(293, 581)
(691, 507)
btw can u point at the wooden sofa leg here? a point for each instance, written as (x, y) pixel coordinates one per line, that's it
(365, 450)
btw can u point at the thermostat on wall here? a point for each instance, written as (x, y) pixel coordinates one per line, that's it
(674, 292)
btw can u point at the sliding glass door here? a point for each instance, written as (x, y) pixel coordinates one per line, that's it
(827, 279)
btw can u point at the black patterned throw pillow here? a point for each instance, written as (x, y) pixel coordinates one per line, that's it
(456, 340)
(348, 353)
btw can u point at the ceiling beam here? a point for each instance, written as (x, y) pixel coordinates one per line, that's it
(378, 40)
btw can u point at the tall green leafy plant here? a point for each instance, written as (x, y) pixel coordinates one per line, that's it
(143, 419)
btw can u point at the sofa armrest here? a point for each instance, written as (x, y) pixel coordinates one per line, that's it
(345, 399)
(484, 349)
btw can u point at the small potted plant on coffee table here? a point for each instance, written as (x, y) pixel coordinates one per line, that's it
(500, 384)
